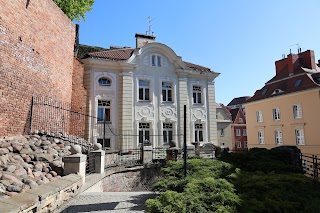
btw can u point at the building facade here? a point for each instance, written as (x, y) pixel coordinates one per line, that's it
(224, 131)
(140, 93)
(286, 110)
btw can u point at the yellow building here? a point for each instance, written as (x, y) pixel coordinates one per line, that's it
(286, 111)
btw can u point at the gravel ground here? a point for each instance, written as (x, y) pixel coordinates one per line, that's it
(112, 202)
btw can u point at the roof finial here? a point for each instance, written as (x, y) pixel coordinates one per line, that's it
(149, 26)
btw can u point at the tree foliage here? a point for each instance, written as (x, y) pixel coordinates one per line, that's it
(75, 9)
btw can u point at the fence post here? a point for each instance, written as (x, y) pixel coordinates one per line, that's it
(31, 112)
(99, 158)
(75, 163)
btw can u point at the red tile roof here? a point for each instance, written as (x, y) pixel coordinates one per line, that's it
(115, 54)
(286, 84)
(125, 54)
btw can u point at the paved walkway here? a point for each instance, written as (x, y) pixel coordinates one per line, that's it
(112, 202)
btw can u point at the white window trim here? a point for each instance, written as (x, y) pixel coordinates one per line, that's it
(241, 120)
(245, 144)
(197, 94)
(222, 132)
(278, 137)
(145, 87)
(104, 107)
(157, 57)
(172, 91)
(244, 132)
(143, 132)
(238, 144)
(198, 130)
(297, 113)
(300, 137)
(260, 137)
(276, 114)
(259, 116)
(238, 132)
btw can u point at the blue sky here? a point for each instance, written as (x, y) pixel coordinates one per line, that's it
(239, 39)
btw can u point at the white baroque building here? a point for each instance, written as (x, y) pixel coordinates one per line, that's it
(141, 92)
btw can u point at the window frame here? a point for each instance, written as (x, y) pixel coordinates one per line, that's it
(156, 60)
(105, 109)
(245, 144)
(196, 94)
(244, 132)
(197, 131)
(259, 116)
(297, 113)
(105, 85)
(222, 132)
(299, 137)
(144, 88)
(241, 120)
(276, 114)
(261, 137)
(278, 137)
(166, 133)
(166, 91)
(238, 144)
(143, 130)
(238, 132)
(103, 144)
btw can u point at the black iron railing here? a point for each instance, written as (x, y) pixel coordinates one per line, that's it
(90, 164)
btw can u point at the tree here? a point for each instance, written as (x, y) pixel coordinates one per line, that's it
(75, 9)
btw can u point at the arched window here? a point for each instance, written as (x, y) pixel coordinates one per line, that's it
(104, 81)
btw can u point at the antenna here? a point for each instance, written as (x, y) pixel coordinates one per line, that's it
(298, 45)
(149, 26)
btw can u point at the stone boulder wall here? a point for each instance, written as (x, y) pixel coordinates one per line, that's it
(29, 161)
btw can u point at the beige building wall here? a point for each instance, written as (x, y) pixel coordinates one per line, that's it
(223, 122)
(310, 105)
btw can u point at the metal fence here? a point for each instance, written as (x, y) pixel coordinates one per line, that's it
(90, 164)
(132, 157)
(310, 166)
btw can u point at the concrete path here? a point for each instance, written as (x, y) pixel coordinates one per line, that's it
(112, 202)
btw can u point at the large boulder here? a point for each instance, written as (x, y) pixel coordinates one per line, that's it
(3, 151)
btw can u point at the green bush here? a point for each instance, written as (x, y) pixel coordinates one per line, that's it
(258, 181)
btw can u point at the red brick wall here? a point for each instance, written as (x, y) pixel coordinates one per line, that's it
(36, 59)
(79, 100)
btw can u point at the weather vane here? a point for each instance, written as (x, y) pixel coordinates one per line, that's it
(149, 25)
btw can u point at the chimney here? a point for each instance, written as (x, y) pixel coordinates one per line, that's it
(304, 59)
(143, 39)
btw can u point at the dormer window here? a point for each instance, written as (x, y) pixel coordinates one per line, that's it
(104, 81)
(264, 91)
(297, 83)
(277, 91)
(155, 60)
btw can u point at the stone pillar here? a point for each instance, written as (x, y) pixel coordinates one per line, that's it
(183, 100)
(99, 157)
(147, 154)
(191, 152)
(212, 119)
(75, 163)
(126, 97)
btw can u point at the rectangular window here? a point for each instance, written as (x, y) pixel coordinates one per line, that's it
(240, 120)
(260, 137)
(244, 132)
(155, 60)
(299, 136)
(222, 133)
(245, 144)
(276, 114)
(104, 111)
(259, 116)
(278, 137)
(198, 133)
(166, 92)
(167, 132)
(238, 132)
(144, 90)
(197, 99)
(238, 144)
(297, 112)
(144, 132)
(106, 144)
